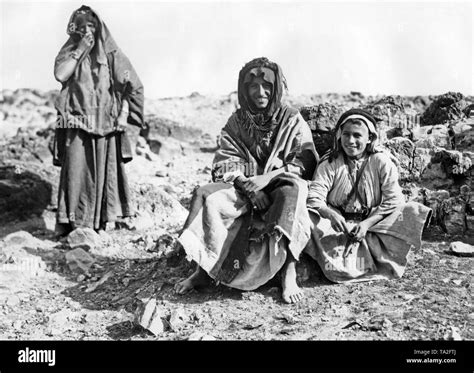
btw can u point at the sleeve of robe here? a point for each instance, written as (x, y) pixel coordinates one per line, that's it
(391, 192)
(303, 158)
(321, 185)
(231, 159)
(130, 87)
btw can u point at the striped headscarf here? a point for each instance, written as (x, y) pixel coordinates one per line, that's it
(358, 116)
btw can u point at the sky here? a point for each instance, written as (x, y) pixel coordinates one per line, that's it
(180, 47)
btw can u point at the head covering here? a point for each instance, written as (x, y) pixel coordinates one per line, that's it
(112, 80)
(104, 42)
(358, 115)
(79, 17)
(271, 73)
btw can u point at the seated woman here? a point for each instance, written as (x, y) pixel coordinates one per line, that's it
(362, 227)
(252, 221)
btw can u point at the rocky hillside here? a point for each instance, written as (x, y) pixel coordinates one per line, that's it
(89, 286)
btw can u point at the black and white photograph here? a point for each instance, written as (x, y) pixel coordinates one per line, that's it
(206, 172)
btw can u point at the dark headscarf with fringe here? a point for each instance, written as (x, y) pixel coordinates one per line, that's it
(260, 119)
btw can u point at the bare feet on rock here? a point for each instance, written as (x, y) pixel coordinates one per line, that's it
(292, 293)
(198, 279)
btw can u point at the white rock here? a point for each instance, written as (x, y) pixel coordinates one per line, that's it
(85, 238)
(151, 317)
(196, 336)
(22, 239)
(462, 248)
(453, 334)
(78, 260)
(178, 318)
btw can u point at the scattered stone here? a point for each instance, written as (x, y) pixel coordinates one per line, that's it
(177, 319)
(378, 323)
(164, 245)
(253, 296)
(208, 337)
(95, 285)
(429, 251)
(84, 238)
(13, 301)
(105, 237)
(78, 260)
(199, 336)
(151, 317)
(289, 318)
(58, 322)
(161, 173)
(461, 248)
(80, 278)
(453, 334)
(22, 239)
(457, 282)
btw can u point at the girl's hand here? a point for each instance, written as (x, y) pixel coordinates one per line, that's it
(338, 222)
(359, 231)
(121, 125)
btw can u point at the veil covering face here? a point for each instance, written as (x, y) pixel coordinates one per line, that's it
(110, 76)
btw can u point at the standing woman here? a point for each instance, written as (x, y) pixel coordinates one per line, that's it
(362, 227)
(100, 94)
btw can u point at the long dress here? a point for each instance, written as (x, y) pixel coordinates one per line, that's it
(93, 187)
(236, 245)
(383, 252)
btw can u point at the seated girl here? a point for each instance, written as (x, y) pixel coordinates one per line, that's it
(362, 227)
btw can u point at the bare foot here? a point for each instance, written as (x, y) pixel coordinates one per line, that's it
(291, 291)
(197, 279)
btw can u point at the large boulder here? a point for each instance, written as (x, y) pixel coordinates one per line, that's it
(322, 119)
(433, 200)
(84, 238)
(403, 150)
(79, 261)
(155, 207)
(452, 216)
(412, 161)
(454, 163)
(26, 189)
(430, 137)
(164, 128)
(463, 135)
(31, 144)
(444, 109)
(393, 117)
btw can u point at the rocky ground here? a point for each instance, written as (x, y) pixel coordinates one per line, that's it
(90, 286)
